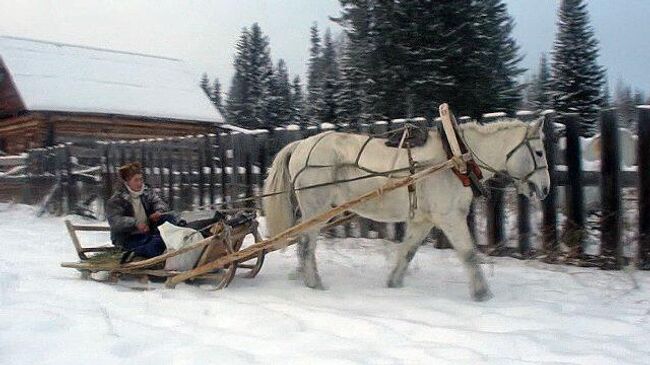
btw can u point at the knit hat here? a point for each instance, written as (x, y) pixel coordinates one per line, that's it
(129, 170)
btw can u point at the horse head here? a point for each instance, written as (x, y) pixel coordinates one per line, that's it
(526, 162)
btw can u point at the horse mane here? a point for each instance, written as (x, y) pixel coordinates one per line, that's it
(500, 124)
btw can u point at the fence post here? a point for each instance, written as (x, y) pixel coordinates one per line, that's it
(263, 162)
(610, 187)
(248, 179)
(209, 148)
(523, 224)
(551, 243)
(200, 140)
(221, 138)
(71, 183)
(170, 175)
(574, 235)
(644, 186)
(106, 173)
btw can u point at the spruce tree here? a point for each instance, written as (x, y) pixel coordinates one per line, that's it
(281, 94)
(216, 97)
(354, 99)
(577, 77)
(205, 84)
(540, 87)
(237, 106)
(314, 82)
(249, 100)
(329, 81)
(416, 54)
(297, 103)
(624, 101)
(606, 101)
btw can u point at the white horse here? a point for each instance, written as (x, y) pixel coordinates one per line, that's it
(509, 146)
(591, 148)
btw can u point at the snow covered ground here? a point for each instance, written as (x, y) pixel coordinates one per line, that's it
(541, 314)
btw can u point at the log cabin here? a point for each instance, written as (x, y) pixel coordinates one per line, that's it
(52, 93)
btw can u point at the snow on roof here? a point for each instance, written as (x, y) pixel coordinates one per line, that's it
(60, 77)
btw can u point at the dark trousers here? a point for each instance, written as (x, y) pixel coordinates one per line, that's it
(148, 244)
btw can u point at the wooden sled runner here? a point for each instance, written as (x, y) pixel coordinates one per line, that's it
(226, 239)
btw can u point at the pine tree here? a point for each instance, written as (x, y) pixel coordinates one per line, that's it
(540, 87)
(501, 53)
(329, 81)
(624, 103)
(281, 94)
(577, 78)
(249, 100)
(216, 97)
(607, 97)
(314, 82)
(297, 103)
(205, 85)
(354, 100)
(417, 54)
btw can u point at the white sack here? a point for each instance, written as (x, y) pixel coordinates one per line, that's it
(176, 237)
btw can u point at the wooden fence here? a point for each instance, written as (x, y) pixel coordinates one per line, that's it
(200, 172)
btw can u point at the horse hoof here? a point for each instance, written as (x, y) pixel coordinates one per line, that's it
(316, 285)
(482, 295)
(395, 284)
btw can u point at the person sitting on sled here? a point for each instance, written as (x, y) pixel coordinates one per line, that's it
(134, 212)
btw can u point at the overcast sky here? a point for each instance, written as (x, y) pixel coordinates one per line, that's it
(203, 33)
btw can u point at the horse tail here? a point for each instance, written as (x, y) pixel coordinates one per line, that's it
(279, 207)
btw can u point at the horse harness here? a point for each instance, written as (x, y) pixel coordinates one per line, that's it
(526, 142)
(409, 135)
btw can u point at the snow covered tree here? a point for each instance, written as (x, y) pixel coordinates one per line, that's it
(297, 103)
(314, 81)
(420, 53)
(249, 102)
(354, 100)
(539, 95)
(281, 94)
(216, 97)
(607, 97)
(329, 81)
(624, 102)
(205, 85)
(577, 77)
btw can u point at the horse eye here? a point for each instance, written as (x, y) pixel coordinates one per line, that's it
(539, 153)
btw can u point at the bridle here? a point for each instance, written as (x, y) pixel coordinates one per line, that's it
(524, 142)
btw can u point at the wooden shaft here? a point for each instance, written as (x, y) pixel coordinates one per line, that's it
(280, 240)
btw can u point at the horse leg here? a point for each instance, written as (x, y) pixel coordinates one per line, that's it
(459, 236)
(415, 234)
(307, 260)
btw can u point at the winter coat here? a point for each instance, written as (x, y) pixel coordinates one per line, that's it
(119, 212)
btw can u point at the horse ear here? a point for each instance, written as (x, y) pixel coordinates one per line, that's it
(537, 125)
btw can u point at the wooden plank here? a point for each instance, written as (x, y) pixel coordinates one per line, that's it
(574, 237)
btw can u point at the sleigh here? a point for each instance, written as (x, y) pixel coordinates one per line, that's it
(222, 251)
(225, 238)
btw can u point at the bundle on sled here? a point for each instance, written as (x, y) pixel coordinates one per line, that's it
(187, 249)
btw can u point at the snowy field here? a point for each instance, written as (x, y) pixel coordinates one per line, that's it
(541, 314)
